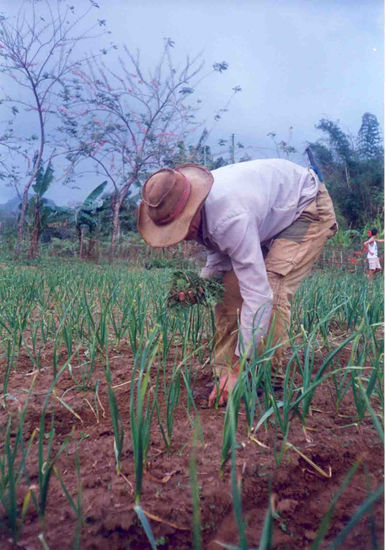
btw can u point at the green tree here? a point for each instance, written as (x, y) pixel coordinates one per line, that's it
(128, 215)
(369, 138)
(339, 141)
(354, 179)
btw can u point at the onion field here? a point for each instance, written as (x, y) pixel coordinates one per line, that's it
(106, 439)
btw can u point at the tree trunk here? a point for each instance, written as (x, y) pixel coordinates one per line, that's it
(35, 234)
(347, 174)
(24, 200)
(81, 232)
(21, 222)
(116, 228)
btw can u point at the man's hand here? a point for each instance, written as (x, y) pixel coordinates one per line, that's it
(226, 385)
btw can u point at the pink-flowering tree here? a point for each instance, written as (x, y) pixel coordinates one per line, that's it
(37, 56)
(129, 120)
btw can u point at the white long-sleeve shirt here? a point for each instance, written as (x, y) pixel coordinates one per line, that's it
(250, 203)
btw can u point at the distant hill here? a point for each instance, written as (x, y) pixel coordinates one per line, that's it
(10, 209)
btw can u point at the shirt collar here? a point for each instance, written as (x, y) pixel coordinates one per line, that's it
(203, 236)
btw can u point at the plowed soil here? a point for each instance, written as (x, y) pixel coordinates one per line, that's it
(300, 495)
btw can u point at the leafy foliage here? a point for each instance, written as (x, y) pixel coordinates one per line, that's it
(86, 215)
(369, 137)
(43, 179)
(353, 170)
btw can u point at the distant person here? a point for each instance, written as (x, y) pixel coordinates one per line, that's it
(372, 253)
(264, 224)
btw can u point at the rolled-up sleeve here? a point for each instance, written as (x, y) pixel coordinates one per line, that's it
(238, 238)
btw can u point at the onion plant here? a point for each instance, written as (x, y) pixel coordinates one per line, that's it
(363, 510)
(236, 484)
(253, 381)
(311, 383)
(10, 355)
(326, 521)
(230, 423)
(116, 419)
(196, 520)
(141, 408)
(76, 504)
(237, 500)
(46, 461)
(47, 456)
(265, 542)
(12, 471)
(146, 526)
(171, 390)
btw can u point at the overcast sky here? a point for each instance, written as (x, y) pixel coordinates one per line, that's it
(297, 61)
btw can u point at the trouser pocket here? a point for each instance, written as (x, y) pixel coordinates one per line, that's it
(290, 247)
(326, 211)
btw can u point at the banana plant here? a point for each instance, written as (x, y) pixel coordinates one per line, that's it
(345, 237)
(85, 216)
(39, 207)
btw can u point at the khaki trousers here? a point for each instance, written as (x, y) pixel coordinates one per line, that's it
(287, 262)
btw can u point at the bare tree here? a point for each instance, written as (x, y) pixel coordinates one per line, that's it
(36, 53)
(282, 146)
(129, 121)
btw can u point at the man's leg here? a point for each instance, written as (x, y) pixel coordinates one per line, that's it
(226, 317)
(291, 258)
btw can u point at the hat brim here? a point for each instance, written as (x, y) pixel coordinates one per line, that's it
(201, 181)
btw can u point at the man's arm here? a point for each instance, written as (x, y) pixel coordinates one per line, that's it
(238, 238)
(216, 264)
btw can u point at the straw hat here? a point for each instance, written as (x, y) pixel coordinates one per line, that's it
(170, 200)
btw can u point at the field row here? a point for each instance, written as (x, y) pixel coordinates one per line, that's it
(103, 381)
